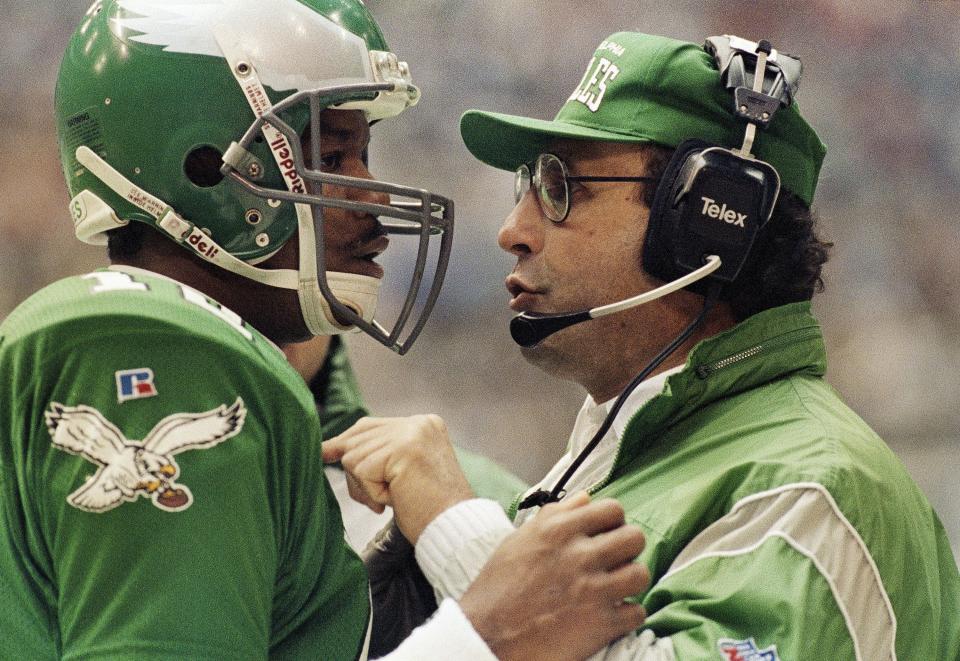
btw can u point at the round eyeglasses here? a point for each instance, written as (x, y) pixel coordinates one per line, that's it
(550, 179)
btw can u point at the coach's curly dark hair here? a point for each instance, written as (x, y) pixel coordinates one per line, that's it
(787, 257)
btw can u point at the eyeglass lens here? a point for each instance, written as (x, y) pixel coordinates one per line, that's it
(551, 182)
(549, 178)
(521, 183)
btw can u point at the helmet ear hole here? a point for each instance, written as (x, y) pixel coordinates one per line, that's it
(202, 166)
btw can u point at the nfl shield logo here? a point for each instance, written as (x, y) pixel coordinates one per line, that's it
(135, 384)
(745, 650)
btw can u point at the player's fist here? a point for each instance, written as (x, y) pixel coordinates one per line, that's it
(407, 463)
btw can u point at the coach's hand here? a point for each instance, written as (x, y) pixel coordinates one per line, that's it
(555, 588)
(407, 463)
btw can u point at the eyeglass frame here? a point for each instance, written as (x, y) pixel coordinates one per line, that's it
(533, 181)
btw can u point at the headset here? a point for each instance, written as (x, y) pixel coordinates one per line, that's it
(713, 200)
(707, 209)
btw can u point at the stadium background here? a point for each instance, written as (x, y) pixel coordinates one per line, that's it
(882, 87)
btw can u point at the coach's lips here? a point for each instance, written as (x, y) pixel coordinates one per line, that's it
(524, 296)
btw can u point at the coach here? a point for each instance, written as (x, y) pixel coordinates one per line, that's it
(778, 525)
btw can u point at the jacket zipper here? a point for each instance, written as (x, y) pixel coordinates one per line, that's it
(704, 371)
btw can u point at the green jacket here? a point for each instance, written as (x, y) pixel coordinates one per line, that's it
(778, 524)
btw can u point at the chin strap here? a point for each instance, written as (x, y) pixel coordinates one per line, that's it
(178, 228)
(356, 291)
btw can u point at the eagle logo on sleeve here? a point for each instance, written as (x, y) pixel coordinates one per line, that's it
(129, 469)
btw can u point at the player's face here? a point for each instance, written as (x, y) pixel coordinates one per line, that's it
(592, 258)
(352, 239)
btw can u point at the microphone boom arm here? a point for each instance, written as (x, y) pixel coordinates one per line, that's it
(528, 329)
(713, 263)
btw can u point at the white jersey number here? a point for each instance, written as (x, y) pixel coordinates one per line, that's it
(107, 281)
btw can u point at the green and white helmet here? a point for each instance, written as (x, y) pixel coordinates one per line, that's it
(187, 116)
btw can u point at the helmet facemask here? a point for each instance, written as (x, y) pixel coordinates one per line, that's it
(147, 84)
(335, 302)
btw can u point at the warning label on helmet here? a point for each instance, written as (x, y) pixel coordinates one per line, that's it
(82, 129)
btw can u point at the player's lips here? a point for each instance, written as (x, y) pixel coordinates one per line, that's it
(368, 251)
(524, 295)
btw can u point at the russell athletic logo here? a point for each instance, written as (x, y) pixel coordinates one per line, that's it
(135, 384)
(720, 211)
(129, 469)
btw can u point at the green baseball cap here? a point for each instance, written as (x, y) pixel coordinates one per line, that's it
(641, 88)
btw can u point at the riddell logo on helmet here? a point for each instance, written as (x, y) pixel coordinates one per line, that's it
(281, 148)
(202, 244)
(721, 212)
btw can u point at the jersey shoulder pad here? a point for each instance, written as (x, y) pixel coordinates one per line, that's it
(101, 309)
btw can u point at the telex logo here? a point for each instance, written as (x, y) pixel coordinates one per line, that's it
(135, 384)
(729, 216)
(745, 650)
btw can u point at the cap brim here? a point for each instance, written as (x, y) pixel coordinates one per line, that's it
(508, 141)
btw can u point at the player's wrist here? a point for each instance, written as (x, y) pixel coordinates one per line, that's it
(423, 508)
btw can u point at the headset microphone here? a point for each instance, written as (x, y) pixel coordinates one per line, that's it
(530, 328)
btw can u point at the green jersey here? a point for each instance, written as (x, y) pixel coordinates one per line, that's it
(161, 487)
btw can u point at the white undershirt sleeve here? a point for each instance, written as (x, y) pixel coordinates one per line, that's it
(456, 545)
(451, 552)
(447, 635)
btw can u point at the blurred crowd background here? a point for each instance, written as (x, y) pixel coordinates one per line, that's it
(881, 86)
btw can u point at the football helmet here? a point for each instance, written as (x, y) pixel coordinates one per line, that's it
(188, 116)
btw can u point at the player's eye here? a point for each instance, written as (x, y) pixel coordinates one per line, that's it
(331, 162)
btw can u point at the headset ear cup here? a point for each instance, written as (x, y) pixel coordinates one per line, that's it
(659, 258)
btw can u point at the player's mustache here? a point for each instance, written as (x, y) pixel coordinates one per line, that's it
(375, 232)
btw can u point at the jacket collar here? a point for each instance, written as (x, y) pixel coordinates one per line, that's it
(767, 346)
